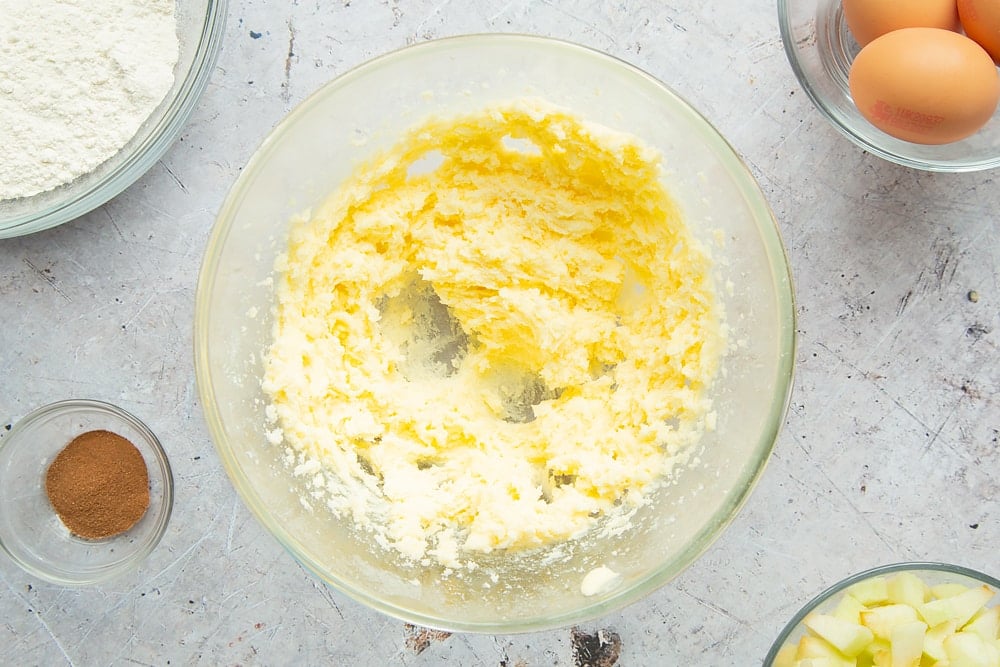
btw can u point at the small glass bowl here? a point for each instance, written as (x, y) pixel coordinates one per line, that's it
(31, 532)
(820, 49)
(200, 27)
(825, 602)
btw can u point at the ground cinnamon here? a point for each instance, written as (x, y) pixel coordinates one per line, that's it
(98, 485)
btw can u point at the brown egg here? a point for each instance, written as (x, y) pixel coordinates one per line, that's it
(925, 85)
(981, 20)
(868, 19)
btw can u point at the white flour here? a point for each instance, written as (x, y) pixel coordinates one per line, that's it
(77, 79)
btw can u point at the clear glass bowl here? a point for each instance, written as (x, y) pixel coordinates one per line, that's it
(825, 602)
(200, 26)
(316, 146)
(820, 50)
(30, 531)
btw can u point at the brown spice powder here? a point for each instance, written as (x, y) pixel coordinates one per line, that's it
(98, 485)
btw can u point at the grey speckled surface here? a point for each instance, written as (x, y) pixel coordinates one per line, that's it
(890, 450)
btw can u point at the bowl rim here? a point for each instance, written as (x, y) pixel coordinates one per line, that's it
(950, 166)
(880, 570)
(146, 154)
(149, 443)
(768, 234)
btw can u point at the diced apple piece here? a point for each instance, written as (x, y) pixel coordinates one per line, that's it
(934, 640)
(870, 591)
(906, 643)
(941, 591)
(785, 656)
(986, 624)
(994, 652)
(967, 649)
(959, 608)
(816, 647)
(811, 646)
(877, 646)
(907, 588)
(848, 609)
(881, 620)
(867, 657)
(848, 638)
(822, 662)
(882, 658)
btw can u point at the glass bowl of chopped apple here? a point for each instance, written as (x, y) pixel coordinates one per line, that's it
(900, 615)
(92, 98)
(494, 333)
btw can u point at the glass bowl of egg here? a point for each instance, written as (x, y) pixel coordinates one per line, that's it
(915, 83)
(494, 333)
(913, 613)
(99, 107)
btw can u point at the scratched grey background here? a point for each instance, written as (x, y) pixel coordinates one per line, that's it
(890, 450)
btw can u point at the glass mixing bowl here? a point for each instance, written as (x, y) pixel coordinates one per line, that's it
(200, 26)
(820, 50)
(367, 109)
(931, 574)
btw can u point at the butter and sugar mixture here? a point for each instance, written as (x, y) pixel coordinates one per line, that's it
(492, 335)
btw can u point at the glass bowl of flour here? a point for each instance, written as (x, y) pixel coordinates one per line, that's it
(92, 97)
(494, 334)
